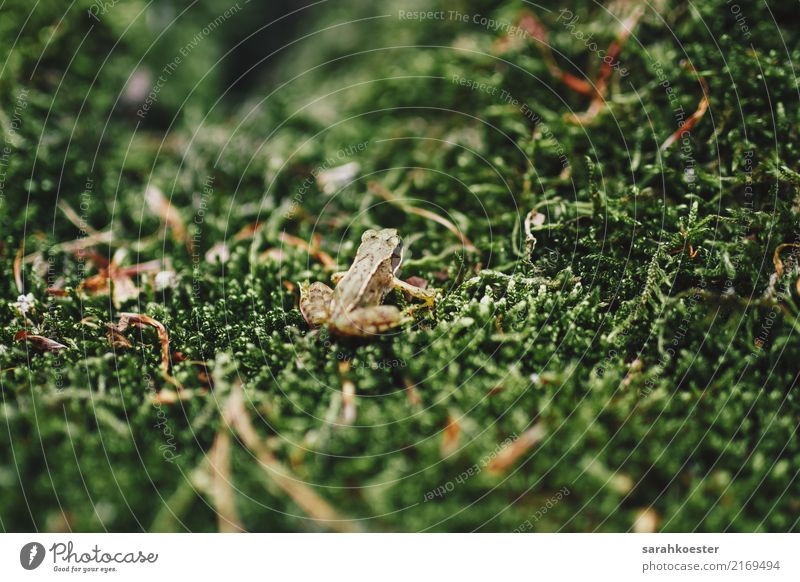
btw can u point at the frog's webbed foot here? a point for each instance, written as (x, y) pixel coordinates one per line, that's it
(426, 295)
(368, 321)
(315, 303)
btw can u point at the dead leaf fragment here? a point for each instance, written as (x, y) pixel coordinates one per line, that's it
(137, 320)
(39, 342)
(116, 339)
(114, 278)
(450, 437)
(163, 208)
(417, 282)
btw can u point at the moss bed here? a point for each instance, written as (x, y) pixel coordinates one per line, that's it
(614, 345)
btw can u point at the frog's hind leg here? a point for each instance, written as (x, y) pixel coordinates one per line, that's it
(368, 321)
(315, 303)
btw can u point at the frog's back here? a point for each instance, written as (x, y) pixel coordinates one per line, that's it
(364, 285)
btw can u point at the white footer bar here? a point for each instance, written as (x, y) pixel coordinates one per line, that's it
(401, 557)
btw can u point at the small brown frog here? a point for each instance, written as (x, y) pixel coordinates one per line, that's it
(353, 307)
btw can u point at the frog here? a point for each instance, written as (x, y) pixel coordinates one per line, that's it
(354, 307)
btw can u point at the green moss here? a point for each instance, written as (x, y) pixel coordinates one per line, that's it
(642, 330)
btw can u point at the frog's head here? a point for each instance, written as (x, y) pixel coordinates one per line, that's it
(387, 239)
(388, 235)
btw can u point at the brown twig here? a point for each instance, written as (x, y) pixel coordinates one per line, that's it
(79, 244)
(75, 219)
(222, 492)
(312, 249)
(383, 192)
(532, 220)
(138, 269)
(235, 415)
(539, 33)
(18, 270)
(511, 453)
(689, 124)
(348, 395)
(615, 48)
(411, 392)
(168, 397)
(604, 74)
(776, 256)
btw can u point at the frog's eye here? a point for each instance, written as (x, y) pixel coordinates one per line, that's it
(397, 256)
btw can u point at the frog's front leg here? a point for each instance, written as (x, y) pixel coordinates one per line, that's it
(368, 321)
(315, 303)
(426, 295)
(337, 276)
